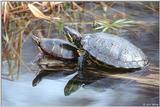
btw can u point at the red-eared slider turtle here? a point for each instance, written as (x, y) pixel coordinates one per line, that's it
(107, 49)
(56, 48)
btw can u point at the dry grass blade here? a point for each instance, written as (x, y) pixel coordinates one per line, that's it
(19, 51)
(37, 13)
(6, 12)
(6, 38)
(59, 6)
(104, 6)
(150, 5)
(56, 3)
(10, 5)
(45, 4)
(76, 5)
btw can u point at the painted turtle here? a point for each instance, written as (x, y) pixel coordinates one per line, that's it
(56, 55)
(107, 49)
(55, 48)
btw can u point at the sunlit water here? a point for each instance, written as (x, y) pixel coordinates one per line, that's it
(103, 92)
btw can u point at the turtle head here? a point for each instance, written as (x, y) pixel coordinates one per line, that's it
(73, 36)
(36, 39)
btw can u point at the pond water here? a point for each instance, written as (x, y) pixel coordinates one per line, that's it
(132, 88)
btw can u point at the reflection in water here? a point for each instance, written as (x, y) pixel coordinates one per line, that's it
(90, 76)
(51, 74)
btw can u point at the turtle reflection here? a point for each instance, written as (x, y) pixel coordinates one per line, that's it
(52, 68)
(51, 74)
(90, 78)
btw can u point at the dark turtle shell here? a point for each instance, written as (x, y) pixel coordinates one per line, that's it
(113, 50)
(58, 48)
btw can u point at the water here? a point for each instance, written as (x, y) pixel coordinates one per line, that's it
(135, 88)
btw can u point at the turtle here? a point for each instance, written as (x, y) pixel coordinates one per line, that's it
(108, 50)
(55, 49)
(56, 55)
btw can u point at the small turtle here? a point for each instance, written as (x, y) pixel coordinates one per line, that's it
(56, 55)
(55, 48)
(107, 50)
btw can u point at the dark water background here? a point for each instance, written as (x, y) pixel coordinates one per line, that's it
(109, 90)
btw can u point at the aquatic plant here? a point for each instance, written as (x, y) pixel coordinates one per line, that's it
(107, 25)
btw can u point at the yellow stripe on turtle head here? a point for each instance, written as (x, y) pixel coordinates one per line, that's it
(70, 38)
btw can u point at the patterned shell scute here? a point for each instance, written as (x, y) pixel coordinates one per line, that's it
(114, 50)
(54, 47)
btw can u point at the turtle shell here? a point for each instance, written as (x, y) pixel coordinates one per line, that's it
(113, 50)
(58, 48)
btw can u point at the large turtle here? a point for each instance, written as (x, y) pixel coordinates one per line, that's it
(107, 49)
